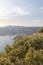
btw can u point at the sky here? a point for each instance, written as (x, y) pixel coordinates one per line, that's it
(21, 13)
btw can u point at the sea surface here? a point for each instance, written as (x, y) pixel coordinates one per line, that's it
(5, 40)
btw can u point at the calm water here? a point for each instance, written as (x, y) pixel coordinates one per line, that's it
(4, 40)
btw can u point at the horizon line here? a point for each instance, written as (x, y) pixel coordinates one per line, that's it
(19, 26)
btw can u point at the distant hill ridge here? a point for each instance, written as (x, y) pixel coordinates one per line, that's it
(18, 30)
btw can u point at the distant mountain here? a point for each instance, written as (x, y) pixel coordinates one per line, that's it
(18, 30)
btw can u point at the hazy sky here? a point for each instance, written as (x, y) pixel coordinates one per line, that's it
(21, 12)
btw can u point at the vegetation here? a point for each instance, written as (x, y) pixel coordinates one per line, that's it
(41, 31)
(25, 50)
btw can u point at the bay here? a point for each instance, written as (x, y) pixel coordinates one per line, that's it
(5, 40)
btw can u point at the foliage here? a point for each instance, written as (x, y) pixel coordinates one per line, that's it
(27, 50)
(40, 31)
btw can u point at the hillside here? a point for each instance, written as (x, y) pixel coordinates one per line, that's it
(25, 50)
